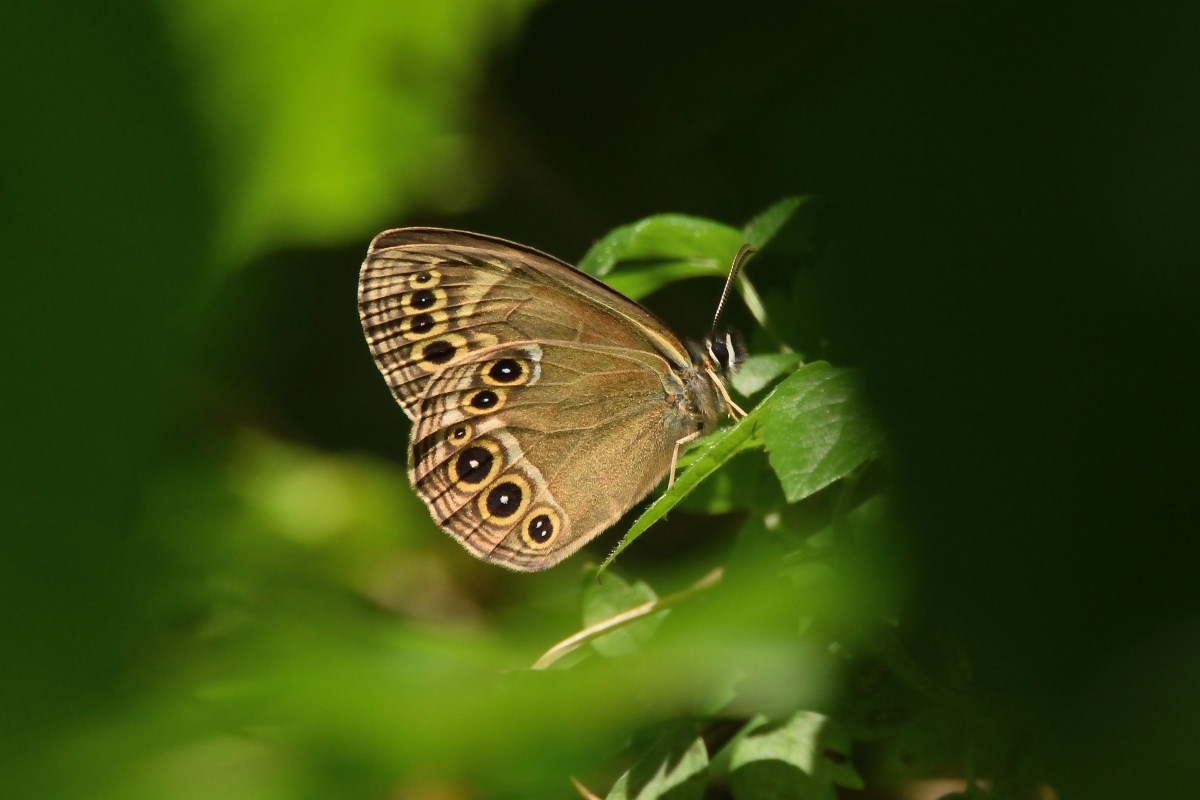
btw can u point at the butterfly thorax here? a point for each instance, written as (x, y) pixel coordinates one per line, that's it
(697, 400)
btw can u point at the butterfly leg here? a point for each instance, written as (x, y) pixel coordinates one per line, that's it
(691, 437)
(733, 409)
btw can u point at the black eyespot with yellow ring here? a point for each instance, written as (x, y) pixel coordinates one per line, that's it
(425, 279)
(540, 528)
(504, 500)
(460, 434)
(424, 300)
(483, 401)
(433, 354)
(424, 325)
(477, 463)
(504, 372)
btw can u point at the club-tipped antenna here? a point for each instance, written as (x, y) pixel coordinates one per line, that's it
(743, 254)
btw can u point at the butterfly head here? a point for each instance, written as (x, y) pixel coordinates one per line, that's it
(723, 353)
(717, 359)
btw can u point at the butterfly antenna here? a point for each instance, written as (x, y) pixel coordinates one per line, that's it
(743, 254)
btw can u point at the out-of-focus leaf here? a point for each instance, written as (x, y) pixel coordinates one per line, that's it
(330, 118)
(816, 429)
(608, 595)
(674, 768)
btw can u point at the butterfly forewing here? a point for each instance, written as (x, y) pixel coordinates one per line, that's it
(427, 297)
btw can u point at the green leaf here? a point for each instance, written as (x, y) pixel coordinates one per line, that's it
(800, 758)
(759, 371)
(605, 596)
(659, 250)
(816, 429)
(636, 281)
(763, 228)
(674, 768)
(383, 143)
(736, 488)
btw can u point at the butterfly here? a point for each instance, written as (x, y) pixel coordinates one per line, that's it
(544, 403)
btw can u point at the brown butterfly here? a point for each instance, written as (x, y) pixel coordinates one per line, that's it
(544, 403)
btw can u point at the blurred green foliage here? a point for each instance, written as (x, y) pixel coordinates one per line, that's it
(323, 118)
(216, 582)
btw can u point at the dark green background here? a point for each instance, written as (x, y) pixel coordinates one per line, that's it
(1007, 230)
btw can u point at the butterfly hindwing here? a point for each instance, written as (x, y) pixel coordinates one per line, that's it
(510, 446)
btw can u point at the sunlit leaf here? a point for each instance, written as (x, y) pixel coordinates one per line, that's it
(674, 768)
(802, 757)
